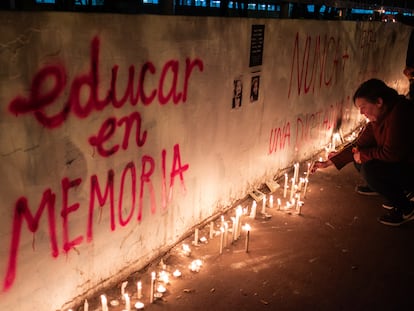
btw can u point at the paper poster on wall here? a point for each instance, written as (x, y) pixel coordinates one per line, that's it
(254, 88)
(256, 45)
(237, 93)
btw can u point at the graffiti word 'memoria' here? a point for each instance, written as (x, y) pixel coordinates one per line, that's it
(39, 99)
(101, 193)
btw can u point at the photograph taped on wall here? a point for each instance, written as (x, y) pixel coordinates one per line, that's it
(254, 88)
(257, 195)
(237, 93)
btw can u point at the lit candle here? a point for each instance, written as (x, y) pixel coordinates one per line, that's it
(292, 190)
(306, 186)
(298, 204)
(152, 287)
(336, 137)
(233, 229)
(253, 211)
(164, 277)
(123, 286)
(301, 181)
(104, 303)
(264, 205)
(279, 203)
(211, 229)
(226, 232)
(161, 289)
(239, 214)
(297, 201)
(177, 273)
(286, 185)
(296, 172)
(139, 305)
(247, 228)
(196, 265)
(221, 239)
(271, 201)
(196, 237)
(236, 226)
(162, 264)
(139, 289)
(186, 250)
(86, 305)
(127, 302)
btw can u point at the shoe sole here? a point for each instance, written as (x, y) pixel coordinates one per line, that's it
(409, 216)
(410, 196)
(369, 194)
(388, 207)
(393, 224)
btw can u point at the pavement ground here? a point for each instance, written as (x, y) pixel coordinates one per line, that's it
(335, 255)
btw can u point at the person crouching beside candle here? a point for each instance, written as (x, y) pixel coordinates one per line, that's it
(383, 152)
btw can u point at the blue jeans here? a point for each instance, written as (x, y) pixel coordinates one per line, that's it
(391, 180)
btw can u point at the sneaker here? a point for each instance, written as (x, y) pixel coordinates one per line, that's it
(408, 214)
(392, 218)
(365, 190)
(388, 204)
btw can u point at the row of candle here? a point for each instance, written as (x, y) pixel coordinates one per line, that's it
(224, 230)
(295, 201)
(297, 184)
(155, 292)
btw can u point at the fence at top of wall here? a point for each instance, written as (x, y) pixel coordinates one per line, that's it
(119, 133)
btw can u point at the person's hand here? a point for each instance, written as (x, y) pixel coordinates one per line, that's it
(357, 157)
(331, 154)
(320, 164)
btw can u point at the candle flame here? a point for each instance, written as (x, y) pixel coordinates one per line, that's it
(186, 248)
(177, 273)
(239, 211)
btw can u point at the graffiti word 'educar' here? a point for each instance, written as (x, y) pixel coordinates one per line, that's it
(44, 96)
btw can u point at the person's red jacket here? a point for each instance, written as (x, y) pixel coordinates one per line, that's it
(390, 139)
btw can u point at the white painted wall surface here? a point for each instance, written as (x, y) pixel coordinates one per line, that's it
(204, 154)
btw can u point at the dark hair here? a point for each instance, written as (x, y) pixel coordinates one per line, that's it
(373, 89)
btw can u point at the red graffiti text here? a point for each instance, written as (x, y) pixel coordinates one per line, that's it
(50, 82)
(322, 70)
(134, 179)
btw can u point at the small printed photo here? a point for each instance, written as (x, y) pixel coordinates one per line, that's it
(237, 93)
(254, 89)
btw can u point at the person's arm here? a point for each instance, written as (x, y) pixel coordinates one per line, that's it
(393, 146)
(347, 154)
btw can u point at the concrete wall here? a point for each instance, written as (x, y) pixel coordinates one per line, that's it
(117, 132)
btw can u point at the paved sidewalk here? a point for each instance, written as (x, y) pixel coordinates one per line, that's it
(334, 256)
